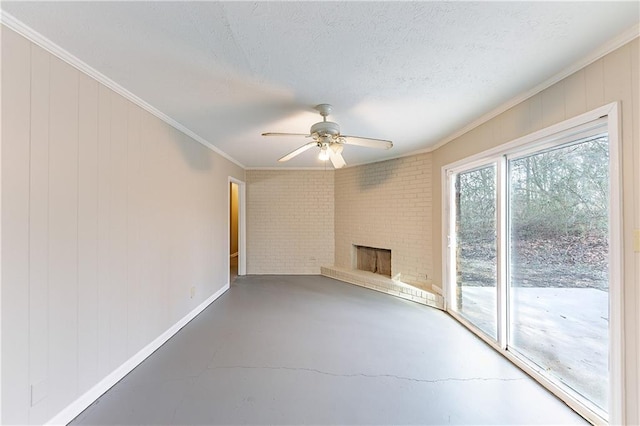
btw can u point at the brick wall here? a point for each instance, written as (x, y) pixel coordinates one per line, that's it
(290, 222)
(387, 205)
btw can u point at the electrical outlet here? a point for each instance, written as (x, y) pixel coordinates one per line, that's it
(193, 291)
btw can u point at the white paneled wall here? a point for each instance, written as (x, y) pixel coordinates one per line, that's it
(387, 205)
(88, 338)
(289, 221)
(109, 217)
(16, 127)
(613, 78)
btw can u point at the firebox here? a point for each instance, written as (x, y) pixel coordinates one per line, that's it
(373, 259)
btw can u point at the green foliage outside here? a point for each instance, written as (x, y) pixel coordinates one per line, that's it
(558, 218)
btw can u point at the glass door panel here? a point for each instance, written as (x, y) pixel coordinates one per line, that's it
(558, 268)
(475, 248)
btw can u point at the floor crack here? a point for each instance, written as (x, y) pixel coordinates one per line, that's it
(374, 376)
(183, 397)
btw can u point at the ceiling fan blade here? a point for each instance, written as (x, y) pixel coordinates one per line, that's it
(367, 142)
(284, 134)
(337, 160)
(298, 151)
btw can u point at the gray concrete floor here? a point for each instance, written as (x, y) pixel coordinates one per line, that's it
(312, 350)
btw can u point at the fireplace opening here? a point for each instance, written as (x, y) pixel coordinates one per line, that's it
(374, 260)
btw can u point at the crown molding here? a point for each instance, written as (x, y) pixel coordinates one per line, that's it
(35, 37)
(282, 169)
(608, 47)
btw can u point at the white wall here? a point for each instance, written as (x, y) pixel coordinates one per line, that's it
(615, 77)
(289, 221)
(109, 217)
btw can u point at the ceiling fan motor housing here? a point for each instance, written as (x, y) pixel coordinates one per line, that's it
(325, 128)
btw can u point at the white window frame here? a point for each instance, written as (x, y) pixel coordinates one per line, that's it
(553, 135)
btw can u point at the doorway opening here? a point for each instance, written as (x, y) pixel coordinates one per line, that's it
(237, 229)
(233, 231)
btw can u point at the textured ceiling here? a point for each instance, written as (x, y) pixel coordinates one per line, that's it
(410, 72)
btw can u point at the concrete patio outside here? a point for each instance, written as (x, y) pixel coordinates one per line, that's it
(563, 330)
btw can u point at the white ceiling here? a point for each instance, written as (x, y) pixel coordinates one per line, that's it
(411, 72)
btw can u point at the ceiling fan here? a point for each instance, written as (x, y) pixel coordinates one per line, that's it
(326, 136)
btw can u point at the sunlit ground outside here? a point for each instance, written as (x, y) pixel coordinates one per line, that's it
(478, 294)
(563, 329)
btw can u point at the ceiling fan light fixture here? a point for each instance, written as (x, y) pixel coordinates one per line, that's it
(324, 154)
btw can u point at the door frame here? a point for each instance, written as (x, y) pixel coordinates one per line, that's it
(242, 227)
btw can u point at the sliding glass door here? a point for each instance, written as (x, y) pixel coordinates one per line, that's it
(528, 259)
(559, 231)
(475, 255)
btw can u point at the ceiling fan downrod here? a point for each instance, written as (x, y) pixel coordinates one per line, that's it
(325, 128)
(324, 110)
